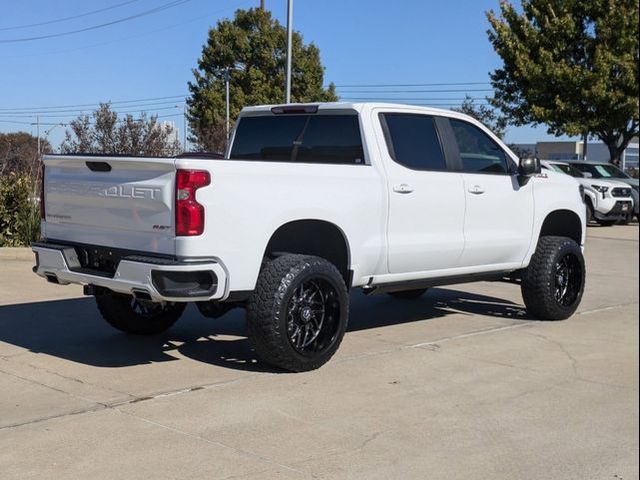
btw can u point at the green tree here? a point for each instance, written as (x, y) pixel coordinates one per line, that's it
(486, 115)
(104, 132)
(252, 47)
(569, 64)
(19, 153)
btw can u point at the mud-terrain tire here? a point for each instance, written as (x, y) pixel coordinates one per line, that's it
(606, 223)
(591, 216)
(553, 283)
(129, 315)
(298, 312)
(409, 294)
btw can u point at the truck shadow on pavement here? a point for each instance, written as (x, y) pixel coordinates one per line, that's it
(73, 329)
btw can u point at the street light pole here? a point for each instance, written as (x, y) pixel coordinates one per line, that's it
(289, 49)
(227, 78)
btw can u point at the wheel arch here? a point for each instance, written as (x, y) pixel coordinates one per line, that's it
(562, 223)
(321, 238)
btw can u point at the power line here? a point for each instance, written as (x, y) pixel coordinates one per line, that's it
(130, 37)
(79, 113)
(387, 99)
(58, 20)
(77, 110)
(456, 99)
(452, 90)
(95, 104)
(160, 8)
(393, 92)
(390, 85)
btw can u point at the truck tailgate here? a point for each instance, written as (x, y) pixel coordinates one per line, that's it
(119, 202)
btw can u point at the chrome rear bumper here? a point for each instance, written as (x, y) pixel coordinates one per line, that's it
(157, 279)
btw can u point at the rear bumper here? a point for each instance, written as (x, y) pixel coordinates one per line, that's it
(147, 277)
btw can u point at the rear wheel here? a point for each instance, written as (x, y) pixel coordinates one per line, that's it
(409, 294)
(553, 283)
(297, 314)
(138, 317)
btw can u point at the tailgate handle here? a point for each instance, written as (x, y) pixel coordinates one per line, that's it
(98, 166)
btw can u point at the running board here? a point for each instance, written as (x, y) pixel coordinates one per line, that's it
(502, 276)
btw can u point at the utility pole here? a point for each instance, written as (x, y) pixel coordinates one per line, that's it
(38, 133)
(289, 49)
(227, 79)
(184, 125)
(261, 4)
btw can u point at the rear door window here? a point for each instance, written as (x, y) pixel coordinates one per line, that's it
(334, 139)
(413, 142)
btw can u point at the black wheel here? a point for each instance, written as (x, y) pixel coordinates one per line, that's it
(553, 284)
(606, 223)
(627, 220)
(590, 211)
(298, 312)
(409, 294)
(138, 317)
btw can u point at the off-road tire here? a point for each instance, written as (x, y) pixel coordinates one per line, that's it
(119, 312)
(539, 279)
(590, 210)
(409, 294)
(268, 307)
(606, 223)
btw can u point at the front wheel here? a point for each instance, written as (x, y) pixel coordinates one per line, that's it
(606, 223)
(297, 314)
(553, 283)
(138, 317)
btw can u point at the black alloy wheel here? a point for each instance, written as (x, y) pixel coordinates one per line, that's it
(313, 316)
(568, 280)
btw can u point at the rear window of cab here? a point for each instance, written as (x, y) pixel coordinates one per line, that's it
(324, 138)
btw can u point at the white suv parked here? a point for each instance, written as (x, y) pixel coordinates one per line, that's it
(310, 202)
(607, 201)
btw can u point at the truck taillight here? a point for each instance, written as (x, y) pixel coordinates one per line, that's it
(189, 213)
(43, 215)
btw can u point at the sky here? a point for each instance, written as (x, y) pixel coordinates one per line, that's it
(373, 42)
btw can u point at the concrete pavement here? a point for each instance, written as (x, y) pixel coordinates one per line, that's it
(460, 384)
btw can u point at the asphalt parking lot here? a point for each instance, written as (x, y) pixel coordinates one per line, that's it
(457, 385)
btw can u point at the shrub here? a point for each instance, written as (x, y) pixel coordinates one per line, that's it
(19, 210)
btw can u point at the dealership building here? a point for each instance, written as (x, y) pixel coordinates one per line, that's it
(596, 152)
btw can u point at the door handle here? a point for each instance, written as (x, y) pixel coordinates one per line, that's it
(476, 190)
(403, 188)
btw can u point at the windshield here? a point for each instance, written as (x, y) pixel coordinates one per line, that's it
(568, 169)
(602, 171)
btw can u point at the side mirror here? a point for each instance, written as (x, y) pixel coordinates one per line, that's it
(529, 167)
(587, 174)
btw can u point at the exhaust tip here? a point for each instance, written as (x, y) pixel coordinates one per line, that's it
(51, 278)
(141, 295)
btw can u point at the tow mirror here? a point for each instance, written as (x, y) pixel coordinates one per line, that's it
(529, 166)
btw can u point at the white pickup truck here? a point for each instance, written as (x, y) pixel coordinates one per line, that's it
(309, 202)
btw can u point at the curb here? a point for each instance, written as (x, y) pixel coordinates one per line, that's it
(16, 253)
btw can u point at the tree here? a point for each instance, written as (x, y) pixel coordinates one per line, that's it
(252, 47)
(103, 132)
(19, 153)
(486, 115)
(569, 64)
